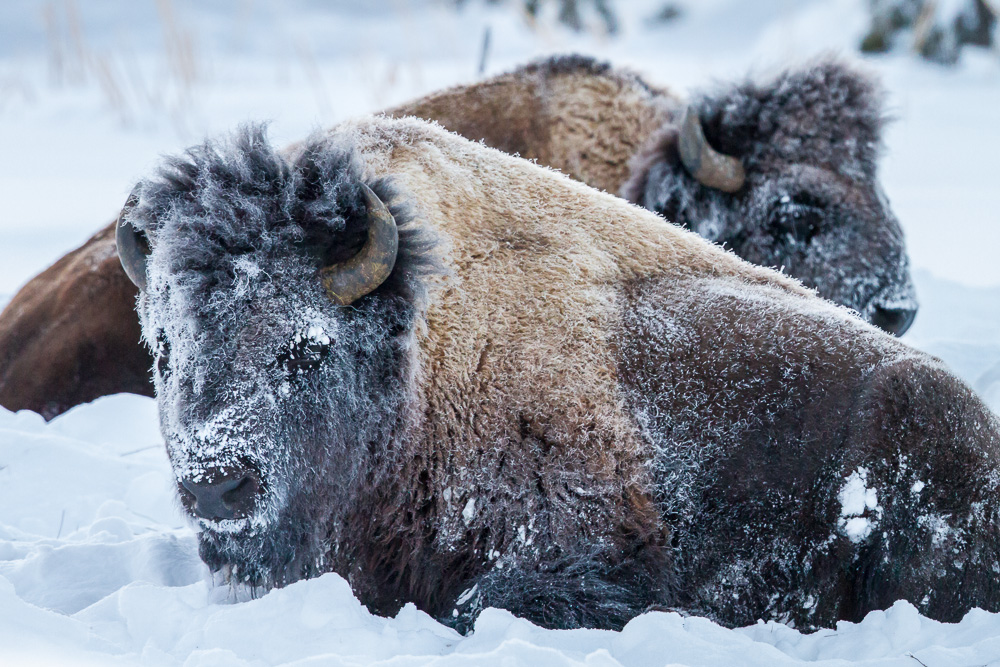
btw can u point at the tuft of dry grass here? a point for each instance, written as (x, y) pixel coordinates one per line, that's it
(124, 86)
(179, 46)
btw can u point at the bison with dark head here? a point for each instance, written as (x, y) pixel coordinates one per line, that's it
(785, 174)
(462, 380)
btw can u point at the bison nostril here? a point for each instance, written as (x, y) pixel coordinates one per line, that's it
(223, 494)
(241, 496)
(893, 320)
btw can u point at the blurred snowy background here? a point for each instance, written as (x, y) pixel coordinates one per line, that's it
(97, 565)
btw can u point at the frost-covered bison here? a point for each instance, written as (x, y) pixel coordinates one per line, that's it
(783, 172)
(802, 195)
(462, 380)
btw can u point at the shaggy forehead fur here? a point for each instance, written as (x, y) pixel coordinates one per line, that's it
(224, 201)
(826, 114)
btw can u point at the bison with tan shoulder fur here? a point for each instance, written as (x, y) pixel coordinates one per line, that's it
(782, 173)
(461, 380)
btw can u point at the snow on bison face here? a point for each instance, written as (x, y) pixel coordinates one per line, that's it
(785, 175)
(272, 395)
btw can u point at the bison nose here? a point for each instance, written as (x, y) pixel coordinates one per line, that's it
(223, 494)
(894, 320)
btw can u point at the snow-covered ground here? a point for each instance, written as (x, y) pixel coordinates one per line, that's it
(97, 565)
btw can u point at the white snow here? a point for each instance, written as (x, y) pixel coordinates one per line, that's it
(858, 506)
(469, 511)
(97, 563)
(97, 567)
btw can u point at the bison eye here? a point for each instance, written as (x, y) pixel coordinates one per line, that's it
(305, 352)
(162, 352)
(797, 219)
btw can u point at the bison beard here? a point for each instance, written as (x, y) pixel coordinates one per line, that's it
(556, 403)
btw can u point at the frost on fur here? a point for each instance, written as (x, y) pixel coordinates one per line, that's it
(240, 233)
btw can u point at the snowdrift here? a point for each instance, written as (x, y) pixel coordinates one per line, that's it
(98, 567)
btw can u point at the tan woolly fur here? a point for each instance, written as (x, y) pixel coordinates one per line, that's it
(584, 119)
(538, 263)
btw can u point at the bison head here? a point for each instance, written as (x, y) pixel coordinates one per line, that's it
(785, 175)
(279, 308)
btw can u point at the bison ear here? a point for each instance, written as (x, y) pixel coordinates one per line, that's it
(133, 244)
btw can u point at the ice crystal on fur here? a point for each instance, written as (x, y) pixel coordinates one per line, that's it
(859, 508)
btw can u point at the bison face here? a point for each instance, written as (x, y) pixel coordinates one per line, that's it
(269, 413)
(281, 337)
(785, 175)
(833, 234)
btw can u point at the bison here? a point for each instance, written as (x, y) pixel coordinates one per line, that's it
(462, 380)
(802, 195)
(784, 172)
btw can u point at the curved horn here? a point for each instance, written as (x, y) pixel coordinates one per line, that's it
(132, 244)
(348, 281)
(708, 166)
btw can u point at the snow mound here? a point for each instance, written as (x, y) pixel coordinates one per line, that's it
(99, 566)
